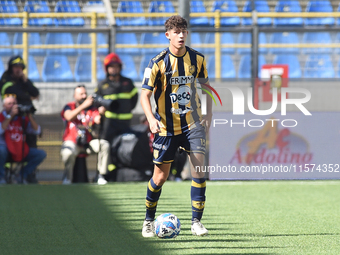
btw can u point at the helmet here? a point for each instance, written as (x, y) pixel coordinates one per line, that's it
(111, 59)
(16, 60)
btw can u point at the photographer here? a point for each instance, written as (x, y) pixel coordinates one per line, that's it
(80, 116)
(14, 81)
(15, 123)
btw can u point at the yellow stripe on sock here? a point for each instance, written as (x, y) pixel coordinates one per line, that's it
(198, 185)
(198, 204)
(152, 189)
(150, 204)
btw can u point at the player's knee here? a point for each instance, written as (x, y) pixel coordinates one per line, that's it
(160, 179)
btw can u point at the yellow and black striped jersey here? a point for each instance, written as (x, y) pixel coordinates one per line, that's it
(173, 81)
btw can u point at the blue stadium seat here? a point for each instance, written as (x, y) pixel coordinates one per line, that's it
(244, 70)
(33, 38)
(227, 67)
(159, 6)
(319, 66)
(60, 38)
(317, 37)
(260, 6)
(198, 6)
(338, 74)
(39, 7)
(33, 73)
(9, 7)
(127, 38)
(245, 38)
(226, 38)
(144, 63)
(319, 6)
(288, 6)
(129, 67)
(292, 61)
(85, 38)
(2, 67)
(5, 41)
(196, 40)
(284, 38)
(83, 69)
(130, 7)
(68, 6)
(56, 69)
(156, 39)
(226, 6)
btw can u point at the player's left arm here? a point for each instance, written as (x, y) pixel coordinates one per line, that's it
(204, 80)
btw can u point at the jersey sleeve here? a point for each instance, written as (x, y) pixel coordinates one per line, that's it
(151, 74)
(66, 107)
(203, 73)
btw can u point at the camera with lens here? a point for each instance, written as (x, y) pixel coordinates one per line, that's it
(81, 136)
(107, 103)
(25, 109)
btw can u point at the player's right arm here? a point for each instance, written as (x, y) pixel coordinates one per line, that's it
(151, 75)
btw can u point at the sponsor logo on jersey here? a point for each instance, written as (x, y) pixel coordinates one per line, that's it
(182, 96)
(182, 80)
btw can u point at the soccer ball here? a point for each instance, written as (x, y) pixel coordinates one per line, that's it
(167, 225)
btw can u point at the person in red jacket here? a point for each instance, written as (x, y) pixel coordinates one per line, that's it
(80, 116)
(14, 125)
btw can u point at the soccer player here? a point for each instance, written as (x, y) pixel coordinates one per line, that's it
(178, 121)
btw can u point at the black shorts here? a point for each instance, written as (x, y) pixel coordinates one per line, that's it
(165, 147)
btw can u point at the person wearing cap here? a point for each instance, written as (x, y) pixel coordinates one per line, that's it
(120, 89)
(14, 81)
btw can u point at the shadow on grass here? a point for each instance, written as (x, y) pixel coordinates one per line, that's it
(63, 220)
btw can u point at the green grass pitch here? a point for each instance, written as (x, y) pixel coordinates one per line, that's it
(261, 217)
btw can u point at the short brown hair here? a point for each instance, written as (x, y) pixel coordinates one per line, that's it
(175, 21)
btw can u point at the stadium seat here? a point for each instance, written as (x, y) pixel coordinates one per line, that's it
(244, 70)
(129, 67)
(38, 7)
(9, 7)
(226, 6)
(338, 66)
(226, 38)
(5, 41)
(98, 7)
(319, 6)
(292, 61)
(33, 38)
(56, 69)
(33, 73)
(83, 69)
(227, 67)
(68, 6)
(130, 7)
(288, 6)
(85, 38)
(284, 38)
(60, 38)
(198, 6)
(319, 66)
(317, 37)
(159, 6)
(245, 38)
(126, 38)
(144, 64)
(2, 67)
(196, 41)
(260, 6)
(156, 39)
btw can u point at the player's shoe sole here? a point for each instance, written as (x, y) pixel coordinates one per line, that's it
(197, 229)
(148, 228)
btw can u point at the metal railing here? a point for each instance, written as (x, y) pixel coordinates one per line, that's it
(217, 15)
